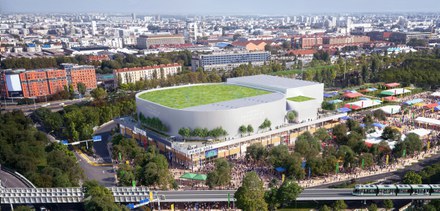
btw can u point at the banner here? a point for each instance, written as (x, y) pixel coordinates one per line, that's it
(337, 168)
(229, 199)
(363, 163)
(133, 183)
(404, 153)
(151, 196)
(387, 160)
(120, 157)
(428, 144)
(172, 207)
(283, 177)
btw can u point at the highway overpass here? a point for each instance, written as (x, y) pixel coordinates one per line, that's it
(134, 195)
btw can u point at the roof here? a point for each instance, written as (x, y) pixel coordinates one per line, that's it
(352, 95)
(302, 52)
(237, 103)
(389, 85)
(270, 82)
(146, 67)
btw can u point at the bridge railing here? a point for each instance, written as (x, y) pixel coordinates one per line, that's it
(20, 177)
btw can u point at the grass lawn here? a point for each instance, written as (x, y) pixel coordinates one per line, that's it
(199, 95)
(300, 98)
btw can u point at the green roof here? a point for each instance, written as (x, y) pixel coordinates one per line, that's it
(389, 93)
(188, 176)
(190, 96)
(201, 177)
(300, 98)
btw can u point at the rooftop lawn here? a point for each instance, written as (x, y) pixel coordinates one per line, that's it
(300, 99)
(190, 96)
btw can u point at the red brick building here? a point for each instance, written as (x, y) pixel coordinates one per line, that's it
(80, 74)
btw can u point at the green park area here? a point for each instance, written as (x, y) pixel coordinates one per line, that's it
(300, 99)
(190, 96)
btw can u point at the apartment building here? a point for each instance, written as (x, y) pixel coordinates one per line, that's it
(345, 40)
(80, 74)
(228, 60)
(131, 75)
(154, 41)
(32, 83)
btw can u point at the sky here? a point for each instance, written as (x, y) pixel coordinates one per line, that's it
(219, 7)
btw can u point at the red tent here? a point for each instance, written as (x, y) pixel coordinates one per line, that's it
(431, 106)
(390, 98)
(392, 85)
(352, 107)
(352, 95)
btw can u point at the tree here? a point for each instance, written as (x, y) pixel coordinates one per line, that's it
(390, 133)
(372, 207)
(250, 196)
(221, 176)
(98, 197)
(250, 129)
(270, 196)
(81, 88)
(340, 133)
(99, 94)
(307, 146)
(322, 135)
(184, 132)
(412, 178)
(242, 129)
(325, 208)
(339, 205)
(291, 116)
(256, 152)
(266, 124)
(388, 204)
(288, 192)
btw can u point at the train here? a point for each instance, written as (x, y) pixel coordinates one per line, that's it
(397, 190)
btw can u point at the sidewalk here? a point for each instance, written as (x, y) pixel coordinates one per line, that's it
(402, 163)
(90, 160)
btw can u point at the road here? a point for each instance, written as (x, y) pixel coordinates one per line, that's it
(393, 176)
(9, 181)
(105, 175)
(54, 106)
(101, 149)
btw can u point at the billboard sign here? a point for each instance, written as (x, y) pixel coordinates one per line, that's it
(211, 153)
(97, 138)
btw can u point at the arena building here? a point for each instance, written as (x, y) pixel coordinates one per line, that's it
(240, 101)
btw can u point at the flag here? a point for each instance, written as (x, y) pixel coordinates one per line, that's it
(310, 172)
(387, 160)
(229, 198)
(133, 183)
(404, 153)
(172, 207)
(337, 168)
(363, 163)
(283, 177)
(151, 196)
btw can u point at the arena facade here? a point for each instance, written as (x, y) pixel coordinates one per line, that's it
(232, 114)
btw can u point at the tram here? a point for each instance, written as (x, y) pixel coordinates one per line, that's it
(396, 190)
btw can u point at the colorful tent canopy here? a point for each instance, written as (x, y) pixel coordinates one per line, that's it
(330, 94)
(352, 106)
(364, 98)
(345, 118)
(352, 95)
(335, 101)
(188, 176)
(391, 109)
(343, 110)
(391, 98)
(280, 169)
(431, 106)
(378, 125)
(392, 85)
(388, 93)
(437, 108)
(414, 101)
(201, 177)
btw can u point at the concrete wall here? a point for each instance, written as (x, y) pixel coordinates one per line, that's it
(229, 119)
(306, 110)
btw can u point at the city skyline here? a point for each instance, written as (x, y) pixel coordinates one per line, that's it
(226, 7)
